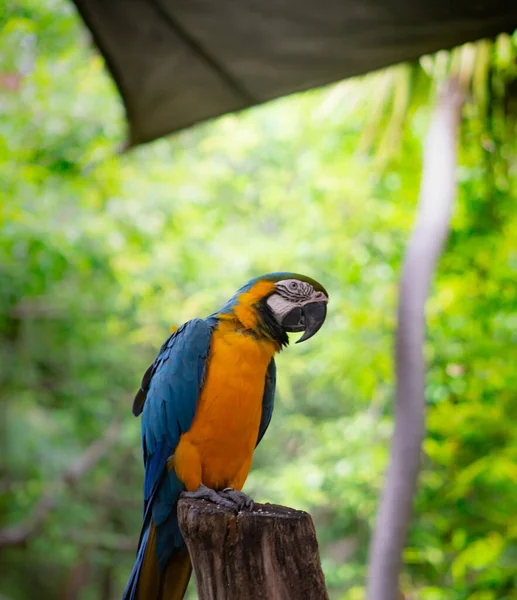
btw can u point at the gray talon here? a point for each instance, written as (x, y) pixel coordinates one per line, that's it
(205, 493)
(240, 499)
(229, 498)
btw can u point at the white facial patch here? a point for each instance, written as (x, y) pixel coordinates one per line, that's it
(280, 306)
(289, 294)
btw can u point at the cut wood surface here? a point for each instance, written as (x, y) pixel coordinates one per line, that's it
(270, 553)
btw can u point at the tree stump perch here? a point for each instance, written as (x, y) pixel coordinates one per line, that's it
(270, 553)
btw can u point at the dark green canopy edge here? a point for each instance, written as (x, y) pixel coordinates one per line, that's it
(180, 62)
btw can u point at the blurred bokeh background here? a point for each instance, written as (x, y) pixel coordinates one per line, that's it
(101, 252)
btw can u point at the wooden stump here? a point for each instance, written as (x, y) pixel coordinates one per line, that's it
(270, 553)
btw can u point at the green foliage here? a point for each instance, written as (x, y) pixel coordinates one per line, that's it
(100, 253)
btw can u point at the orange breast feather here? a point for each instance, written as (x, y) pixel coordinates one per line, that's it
(218, 448)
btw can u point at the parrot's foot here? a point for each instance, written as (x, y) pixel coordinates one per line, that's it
(229, 498)
(240, 498)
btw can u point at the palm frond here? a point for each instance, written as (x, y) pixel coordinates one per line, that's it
(487, 69)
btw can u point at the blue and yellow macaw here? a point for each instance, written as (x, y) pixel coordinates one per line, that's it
(207, 401)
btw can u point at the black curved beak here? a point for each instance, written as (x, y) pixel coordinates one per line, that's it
(308, 318)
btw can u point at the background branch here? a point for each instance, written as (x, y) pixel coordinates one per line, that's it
(19, 534)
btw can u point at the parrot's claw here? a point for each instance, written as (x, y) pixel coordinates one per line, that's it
(229, 498)
(206, 493)
(242, 501)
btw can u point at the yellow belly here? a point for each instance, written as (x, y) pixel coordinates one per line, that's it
(218, 448)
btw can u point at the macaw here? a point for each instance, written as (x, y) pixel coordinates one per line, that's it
(206, 402)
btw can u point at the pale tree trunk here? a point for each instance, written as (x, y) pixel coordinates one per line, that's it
(437, 193)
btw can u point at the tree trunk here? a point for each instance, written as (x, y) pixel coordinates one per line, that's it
(270, 553)
(437, 194)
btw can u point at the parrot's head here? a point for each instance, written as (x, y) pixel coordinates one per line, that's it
(279, 303)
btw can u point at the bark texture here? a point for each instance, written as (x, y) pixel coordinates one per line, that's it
(270, 553)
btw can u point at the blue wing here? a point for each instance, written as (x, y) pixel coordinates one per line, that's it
(268, 400)
(169, 395)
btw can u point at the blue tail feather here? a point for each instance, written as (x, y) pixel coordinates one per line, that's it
(132, 584)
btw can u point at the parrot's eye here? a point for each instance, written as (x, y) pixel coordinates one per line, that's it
(293, 285)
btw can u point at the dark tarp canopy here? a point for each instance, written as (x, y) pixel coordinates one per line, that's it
(178, 62)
